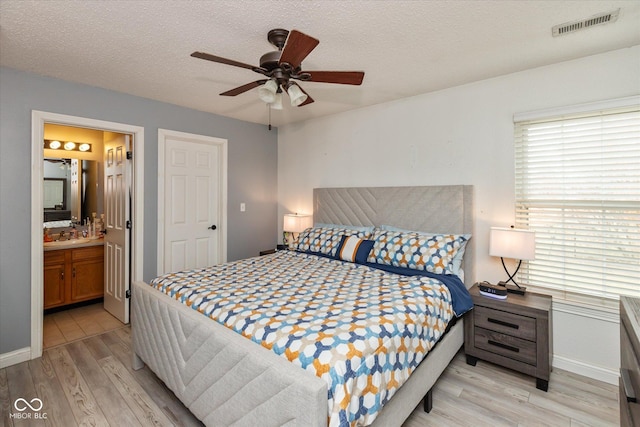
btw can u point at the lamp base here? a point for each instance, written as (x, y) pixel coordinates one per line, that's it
(513, 289)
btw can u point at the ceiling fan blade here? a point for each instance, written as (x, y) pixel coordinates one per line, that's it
(309, 99)
(243, 88)
(221, 60)
(339, 77)
(297, 47)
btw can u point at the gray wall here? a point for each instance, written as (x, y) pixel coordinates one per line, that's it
(252, 177)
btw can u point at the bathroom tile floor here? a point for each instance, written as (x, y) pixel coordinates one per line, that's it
(71, 325)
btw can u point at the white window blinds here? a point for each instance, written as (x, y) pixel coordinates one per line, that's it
(578, 187)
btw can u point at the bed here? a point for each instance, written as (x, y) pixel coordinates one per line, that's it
(227, 379)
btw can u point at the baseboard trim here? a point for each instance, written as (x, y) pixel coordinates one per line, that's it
(15, 357)
(606, 375)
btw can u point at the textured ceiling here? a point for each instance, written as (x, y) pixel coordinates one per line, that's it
(405, 47)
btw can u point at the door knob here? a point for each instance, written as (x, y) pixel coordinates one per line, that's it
(213, 227)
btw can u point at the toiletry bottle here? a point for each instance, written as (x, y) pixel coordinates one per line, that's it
(103, 225)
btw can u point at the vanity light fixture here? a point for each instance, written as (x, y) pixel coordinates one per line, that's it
(54, 144)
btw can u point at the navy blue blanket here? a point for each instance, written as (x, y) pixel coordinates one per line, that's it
(461, 299)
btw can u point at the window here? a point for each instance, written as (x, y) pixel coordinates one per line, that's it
(578, 187)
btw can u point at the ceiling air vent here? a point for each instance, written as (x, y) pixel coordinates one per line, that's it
(572, 27)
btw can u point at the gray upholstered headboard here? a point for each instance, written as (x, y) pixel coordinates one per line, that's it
(435, 209)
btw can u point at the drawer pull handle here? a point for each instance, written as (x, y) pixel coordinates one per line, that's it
(503, 323)
(628, 387)
(505, 346)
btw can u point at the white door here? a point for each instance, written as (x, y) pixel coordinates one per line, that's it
(117, 240)
(191, 208)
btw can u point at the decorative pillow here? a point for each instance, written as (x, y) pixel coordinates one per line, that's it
(429, 252)
(325, 240)
(455, 267)
(354, 249)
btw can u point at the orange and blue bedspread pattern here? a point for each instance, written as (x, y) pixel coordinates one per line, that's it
(361, 330)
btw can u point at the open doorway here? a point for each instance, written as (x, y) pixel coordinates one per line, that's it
(82, 296)
(134, 136)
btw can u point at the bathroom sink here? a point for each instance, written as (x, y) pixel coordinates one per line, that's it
(73, 242)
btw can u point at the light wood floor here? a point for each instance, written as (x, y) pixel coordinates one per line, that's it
(90, 382)
(77, 323)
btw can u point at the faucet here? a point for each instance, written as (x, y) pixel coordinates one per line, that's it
(61, 237)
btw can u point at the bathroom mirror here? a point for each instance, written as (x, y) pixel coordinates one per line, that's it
(55, 193)
(72, 189)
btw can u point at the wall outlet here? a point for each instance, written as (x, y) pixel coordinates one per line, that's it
(243, 207)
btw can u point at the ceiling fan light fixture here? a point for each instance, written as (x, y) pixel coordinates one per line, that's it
(277, 103)
(267, 92)
(296, 94)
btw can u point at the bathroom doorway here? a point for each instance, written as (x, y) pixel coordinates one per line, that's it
(133, 255)
(79, 298)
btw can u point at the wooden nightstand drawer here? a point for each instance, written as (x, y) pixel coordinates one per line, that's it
(505, 322)
(506, 345)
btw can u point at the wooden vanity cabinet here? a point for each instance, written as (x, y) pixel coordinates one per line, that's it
(54, 279)
(73, 275)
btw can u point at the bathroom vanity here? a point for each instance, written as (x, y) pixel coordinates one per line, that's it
(73, 271)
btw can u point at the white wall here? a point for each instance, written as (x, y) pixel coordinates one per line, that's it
(461, 135)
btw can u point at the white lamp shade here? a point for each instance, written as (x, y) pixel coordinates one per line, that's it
(512, 243)
(294, 223)
(296, 94)
(277, 103)
(267, 91)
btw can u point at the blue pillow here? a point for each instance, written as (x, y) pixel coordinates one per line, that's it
(354, 249)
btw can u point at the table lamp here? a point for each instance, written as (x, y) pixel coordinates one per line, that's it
(294, 224)
(515, 244)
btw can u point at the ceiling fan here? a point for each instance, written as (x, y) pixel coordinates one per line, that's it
(282, 66)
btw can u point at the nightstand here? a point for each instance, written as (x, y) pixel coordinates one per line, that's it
(514, 333)
(272, 251)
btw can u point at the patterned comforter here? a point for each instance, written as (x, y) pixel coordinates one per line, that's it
(361, 330)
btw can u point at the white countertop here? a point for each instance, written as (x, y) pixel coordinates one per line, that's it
(73, 243)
